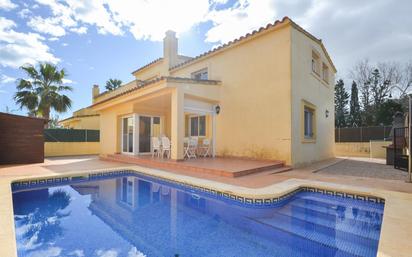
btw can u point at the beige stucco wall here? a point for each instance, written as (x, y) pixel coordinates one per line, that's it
(89, 122)
(84, 118)
(70, 148)
(308, 86)
(157, 69)
(110, 127)
(254, 96)
(373, 149)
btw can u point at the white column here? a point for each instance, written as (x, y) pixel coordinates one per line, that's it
(177, 124)
(135, 134)
(214, 134)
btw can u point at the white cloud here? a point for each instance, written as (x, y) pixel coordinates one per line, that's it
(68, 81)
(49, 252)
(65, 44)
(108, 253)
(17, 48)
(47, 26)
(77, 253)
(7, 5)
(150, 19)
(4, 79)
(87, 12)
(53, 38)
(24, 13)
(135, 253)
(240, 19)
(79, 30)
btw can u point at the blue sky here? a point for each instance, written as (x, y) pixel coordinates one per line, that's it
(100, 39)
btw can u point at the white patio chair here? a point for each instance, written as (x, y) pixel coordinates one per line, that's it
(204, 149)
(191, 148)
(156, 147)
(166, 147)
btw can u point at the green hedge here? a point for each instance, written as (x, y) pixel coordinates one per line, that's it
(71, 135)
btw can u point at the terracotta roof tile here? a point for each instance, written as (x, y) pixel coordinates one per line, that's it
(254, 32)
(149, 64)
(143, 84)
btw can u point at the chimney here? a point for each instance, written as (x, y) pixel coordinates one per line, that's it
(170, 48)
(95, 92)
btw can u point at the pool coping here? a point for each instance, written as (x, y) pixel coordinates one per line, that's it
(396, 231)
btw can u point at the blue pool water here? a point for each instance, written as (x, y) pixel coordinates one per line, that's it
(135, 215)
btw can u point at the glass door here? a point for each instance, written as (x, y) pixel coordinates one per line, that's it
(144, 134)
(127, 135)
(149, 127)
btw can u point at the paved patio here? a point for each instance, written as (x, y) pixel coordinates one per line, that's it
(396, 230)
(351, 171)
(225, 167)
(365, 167)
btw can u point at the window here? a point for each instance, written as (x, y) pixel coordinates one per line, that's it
(315, 63)
(201, 74)
(325, 73)
(309, 120)
(198, 126)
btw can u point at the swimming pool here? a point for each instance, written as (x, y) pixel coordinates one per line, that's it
(136, 215)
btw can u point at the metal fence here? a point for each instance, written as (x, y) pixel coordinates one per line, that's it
(362, 134)
(71, 135)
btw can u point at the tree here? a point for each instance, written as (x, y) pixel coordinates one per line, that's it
(386, 111)
(54, 122)
(42, 91)
(361, 75)
(341, 102)
(355, 119)
(112, 84)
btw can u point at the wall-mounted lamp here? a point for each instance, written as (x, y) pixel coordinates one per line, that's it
(327, 113)
(217, 109)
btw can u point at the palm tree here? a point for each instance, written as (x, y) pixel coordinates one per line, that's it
(42, 91)
(112, 84)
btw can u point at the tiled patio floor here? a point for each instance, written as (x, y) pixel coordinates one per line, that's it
(326, 171)
(225, 167)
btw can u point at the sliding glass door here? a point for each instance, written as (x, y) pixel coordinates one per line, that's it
(149, 127)
(144, 134)
(127, 134)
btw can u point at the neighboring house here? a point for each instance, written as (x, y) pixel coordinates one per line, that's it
(82, 119)
(267, 95)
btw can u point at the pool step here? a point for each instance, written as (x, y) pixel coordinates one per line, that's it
(338, 212)
(359, 228)
(340, 241)
(331, 201)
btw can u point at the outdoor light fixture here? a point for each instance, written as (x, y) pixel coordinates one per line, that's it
(217, 109)
(327, 113)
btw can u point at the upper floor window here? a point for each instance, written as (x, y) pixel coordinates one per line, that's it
(325, 73)
(315, 63)
(201, 74)
(198, 126)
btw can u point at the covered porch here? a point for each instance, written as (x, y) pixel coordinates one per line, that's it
(173, 109)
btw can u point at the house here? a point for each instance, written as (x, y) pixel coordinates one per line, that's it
(266, 95)
(84, 118)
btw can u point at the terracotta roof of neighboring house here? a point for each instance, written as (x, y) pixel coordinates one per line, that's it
(167, 78)
(149, 64)
(109, 91)
(78, 116)
(255, 32)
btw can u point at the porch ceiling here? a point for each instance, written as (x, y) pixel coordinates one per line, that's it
(207, 90)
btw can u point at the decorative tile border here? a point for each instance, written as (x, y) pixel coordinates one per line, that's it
(194, 189)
